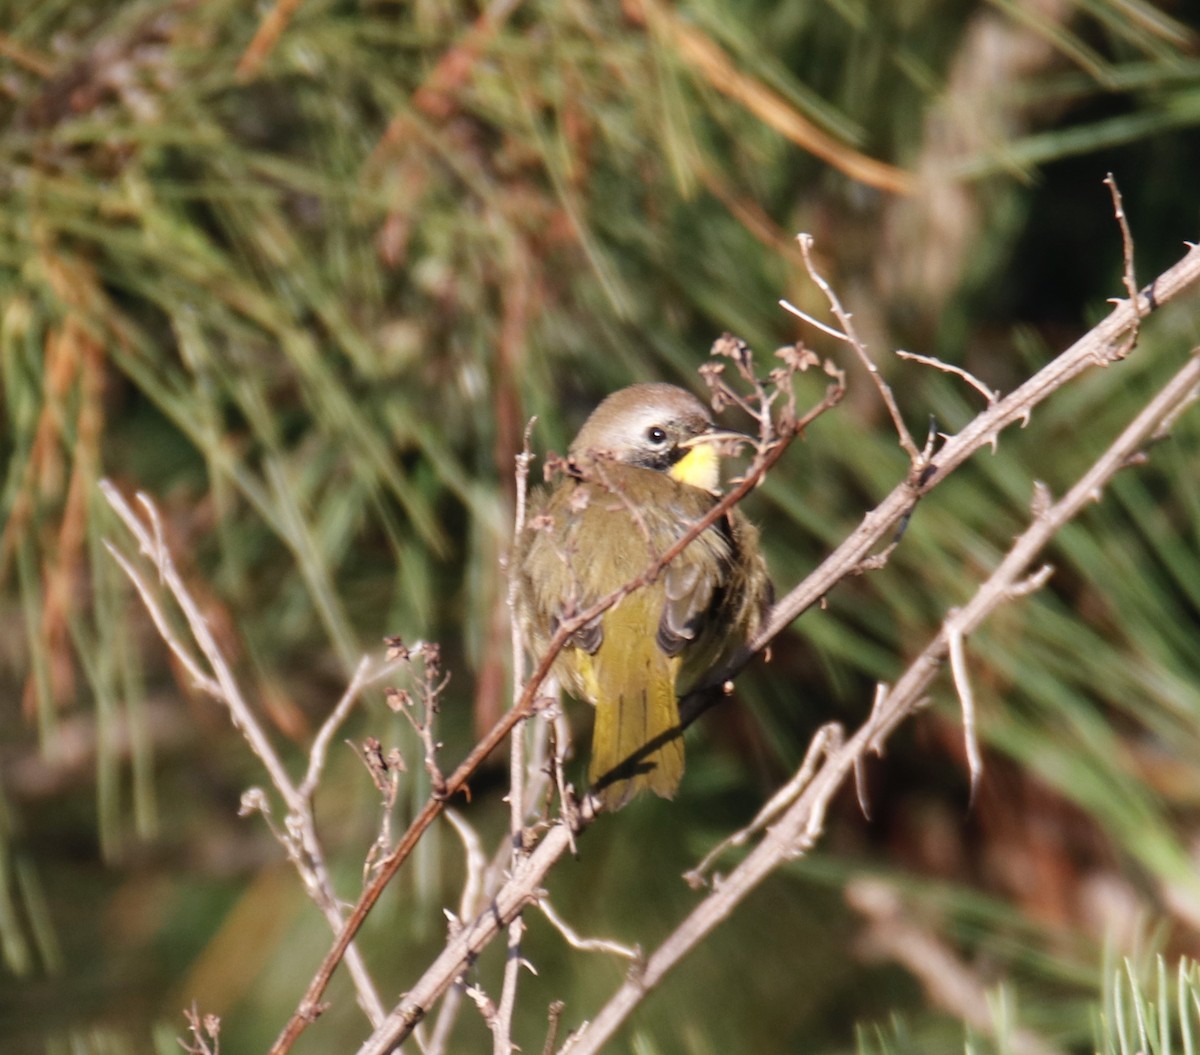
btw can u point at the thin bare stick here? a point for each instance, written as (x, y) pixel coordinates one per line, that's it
(152, 545)
(813, 321)
(949, 368)
(828, 738)
(320, 747)
(205, 1032)
(479, 883)
(553, 1017)
(299, 836)
(966, 698)
(502, 1024)
(572, 938)
(1128, 276)
(846, 322)
(475, 864)
(162, 625)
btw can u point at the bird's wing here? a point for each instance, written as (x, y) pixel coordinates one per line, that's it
(691, 587)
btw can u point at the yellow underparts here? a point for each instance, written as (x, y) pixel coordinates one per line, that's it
(700, 467)
(636, 740)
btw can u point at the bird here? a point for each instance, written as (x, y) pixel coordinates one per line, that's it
(644, 468)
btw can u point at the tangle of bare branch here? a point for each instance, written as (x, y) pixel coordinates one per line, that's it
(793, 819)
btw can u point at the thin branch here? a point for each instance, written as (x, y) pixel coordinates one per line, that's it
(502, 1025)
(949, 368)
(227, 691)
(299, 837)
(827, 739)
(325, 735)
(572, 938)
(955, 638)
(475, 864)
(161, 623)
(813, 321)
(553, 1017)
(1126, 254)
(846, 322)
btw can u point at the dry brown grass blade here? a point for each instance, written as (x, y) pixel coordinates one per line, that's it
(717, 68)
(25, 56)
(270, 29)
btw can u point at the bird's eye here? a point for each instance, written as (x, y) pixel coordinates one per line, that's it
(656, 435)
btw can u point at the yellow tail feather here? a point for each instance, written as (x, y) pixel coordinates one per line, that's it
(636, 742)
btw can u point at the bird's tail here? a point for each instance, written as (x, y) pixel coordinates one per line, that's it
(637, 742)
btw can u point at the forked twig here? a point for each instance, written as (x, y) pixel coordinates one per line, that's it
(849, 335)
(299, 837)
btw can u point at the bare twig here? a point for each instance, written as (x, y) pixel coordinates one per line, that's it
(421, 711)
(468, 904)
(299, 839)
(1126, 256)
(502, 1024)
(949, 368)
(850, 336)
(320, 747)
(572, 938)
(502, 1043)
(553, 1017)
(385, 771)
(955, 638)
(828, 738)
(205, 1031)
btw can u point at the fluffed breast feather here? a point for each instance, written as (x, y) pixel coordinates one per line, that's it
(693, 605)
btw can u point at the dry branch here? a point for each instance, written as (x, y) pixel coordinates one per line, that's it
(804, 819)
(299, 839)
(793, 834)
(801, 821)
(1100, 346)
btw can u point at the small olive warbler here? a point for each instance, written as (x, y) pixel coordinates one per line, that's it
(644, 468)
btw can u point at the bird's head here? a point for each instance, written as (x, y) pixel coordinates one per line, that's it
(660, 427)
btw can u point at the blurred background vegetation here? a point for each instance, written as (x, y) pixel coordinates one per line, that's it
(306, 290)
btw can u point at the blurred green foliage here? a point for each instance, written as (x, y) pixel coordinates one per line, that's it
(309, 307)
